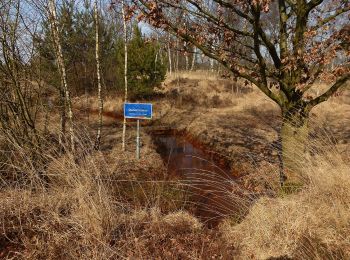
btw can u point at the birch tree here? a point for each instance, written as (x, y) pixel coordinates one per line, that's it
(61, 68)
(169, 55)
(125, 69)
(194, 56)
(186, 58)
(99, 85)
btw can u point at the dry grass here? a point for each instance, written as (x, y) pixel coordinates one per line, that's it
(81, 206)
(151, 235)
(64, 211)
(77, 214)
(243, 129)
(312, 224)
(110, 103)
(107, 205)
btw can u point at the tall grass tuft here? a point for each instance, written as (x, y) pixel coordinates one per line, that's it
(54, 204)
(312, 223)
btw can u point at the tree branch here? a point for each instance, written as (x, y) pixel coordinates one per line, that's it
(214, 19)
(235, 10)
(325, 96)
(312, 4)
(332, 17)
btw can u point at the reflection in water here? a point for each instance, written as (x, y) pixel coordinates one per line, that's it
(182, 157)
(209, 184)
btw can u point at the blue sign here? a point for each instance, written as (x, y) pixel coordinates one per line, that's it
(138, 110)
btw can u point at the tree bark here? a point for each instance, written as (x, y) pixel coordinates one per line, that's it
(169, 57)
(212, 65)
(177, 57)
(186, 57)
(125, 70)
(99, 85)
(62, 68)
(194, 56)
(294, 138)
(63, 119)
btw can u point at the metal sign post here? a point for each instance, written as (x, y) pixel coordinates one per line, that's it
(138, 111)
(138, 140)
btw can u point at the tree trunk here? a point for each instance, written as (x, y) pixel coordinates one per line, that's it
(177, 57)
(63, 119)
(294, 137)
(99, 86)
(186, 57)
(161, 57)
(212, 65)
(125, 71)
(169, 57)
(62, 68)
(194, 56)
(156, 58)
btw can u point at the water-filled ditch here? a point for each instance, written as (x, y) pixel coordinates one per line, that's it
(206, 175)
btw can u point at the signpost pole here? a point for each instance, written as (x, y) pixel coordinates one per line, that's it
(138, 140)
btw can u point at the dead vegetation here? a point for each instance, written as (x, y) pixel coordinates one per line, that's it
(107, 205)
(99, 206)
(312, 224)
(97, 210)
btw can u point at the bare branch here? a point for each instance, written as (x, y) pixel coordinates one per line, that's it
(325, 96)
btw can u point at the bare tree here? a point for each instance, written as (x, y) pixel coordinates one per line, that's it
(211, 61)
(18, 106)
(125, 69)
(99, 85)
(61, 67)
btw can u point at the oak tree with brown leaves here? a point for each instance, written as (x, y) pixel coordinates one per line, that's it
(283, 47)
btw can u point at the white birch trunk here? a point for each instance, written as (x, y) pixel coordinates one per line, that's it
(161, 57)
(156, 58)
(62, 68)
(99, 85)
(160, 52)
(125, 70)
(169, 57)
(177, 56)
(186, 57)
(63, 120)
(155, 61)
(194, 56)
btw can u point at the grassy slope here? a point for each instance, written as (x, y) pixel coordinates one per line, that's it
(243, 125)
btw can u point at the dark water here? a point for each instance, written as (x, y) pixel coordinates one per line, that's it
(206, 175)
(183, 157)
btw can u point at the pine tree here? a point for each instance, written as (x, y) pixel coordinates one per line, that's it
(145, 72)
